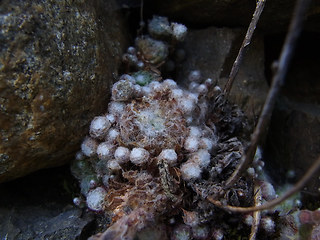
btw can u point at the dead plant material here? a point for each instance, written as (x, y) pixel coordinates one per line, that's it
(256, 214)
(277, 82)
(312, 170)
(244, 46)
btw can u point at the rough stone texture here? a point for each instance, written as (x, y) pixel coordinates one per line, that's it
(233, 13)
(30, 209)
(57, 61)
(213, 51)
(67, 225)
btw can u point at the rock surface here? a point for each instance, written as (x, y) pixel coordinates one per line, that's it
(294, 140)
(213, 51)
(233, 13)
(33, 210)
(293, 137)
(57, 61)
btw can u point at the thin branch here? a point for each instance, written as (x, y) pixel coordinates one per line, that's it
(245, 43)
(141, 23)
(311, 171)
(256, 214)
(277, 82)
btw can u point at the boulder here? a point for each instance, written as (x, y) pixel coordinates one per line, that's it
(57, 62)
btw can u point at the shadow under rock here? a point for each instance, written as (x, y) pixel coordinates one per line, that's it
(39, 206)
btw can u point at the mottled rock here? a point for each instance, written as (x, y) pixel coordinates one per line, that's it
(213, 51)
(29, 211)
(233, 13)
(57, 62)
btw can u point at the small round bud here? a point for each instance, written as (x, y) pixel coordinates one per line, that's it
(79, 156)
(131, 59)
(89, 147)
(208, 82)
(251, 172)
(201, 157)
(105, 150)
(122, 90)
(248, 220)
(189, 120)
(177, 93)
(116, 108)
(112, 135)
(217, 90)
(194, 76)
(200, 232)
(155, 86)
(139, 156)
(131, 50)
(127, 77)
(268, 224)
(99, 127)
(179, 31)
(146, 90)
(95, 199)
(195, 131)
(122, 155)
(190, 218)
(192, 86)
(190, 170)
(181, 232)
(202, 89)
(267, 190)
(206, 143)
(113, 165)
(218, 234)
(191, 144)
(138, 91)
(92, 184)
(187, 105)
(140, 65)
(170, 156)
(169, 83)
(77, 201)
(111, 118)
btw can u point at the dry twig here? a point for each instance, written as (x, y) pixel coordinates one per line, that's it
(256, 214)
(245, 43)
(315, 166)
(277, 82)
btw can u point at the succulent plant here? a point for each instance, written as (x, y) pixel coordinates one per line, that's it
(160, 148)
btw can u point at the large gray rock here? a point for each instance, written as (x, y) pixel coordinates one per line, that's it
(57, 61)
(213, 51)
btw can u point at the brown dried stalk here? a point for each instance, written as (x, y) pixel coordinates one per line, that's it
(277, 82)
(315, 166)
(256, 214)
(245, 43)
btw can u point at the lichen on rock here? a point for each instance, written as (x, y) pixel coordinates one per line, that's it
(55, 72)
